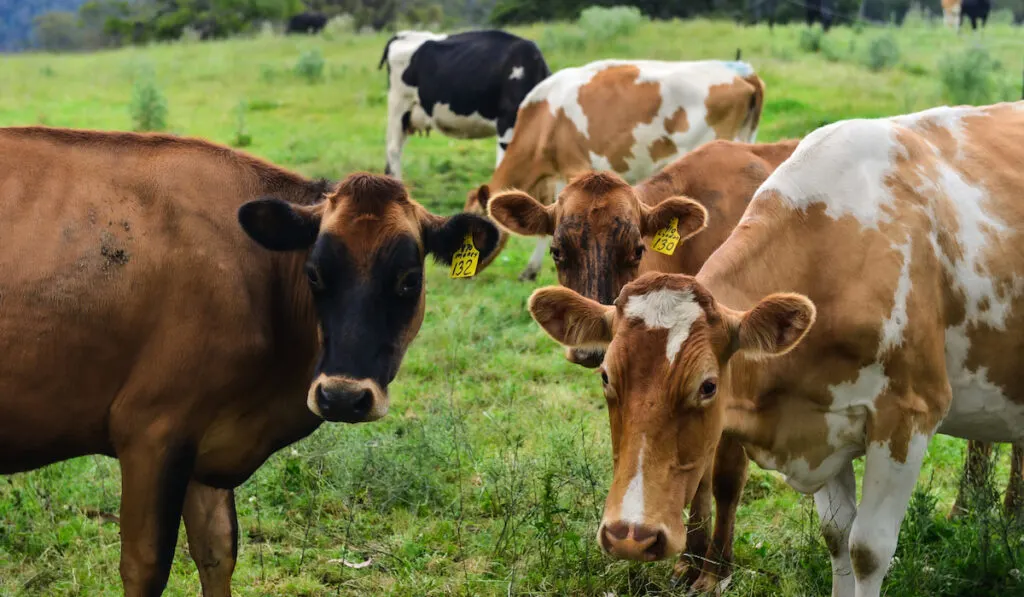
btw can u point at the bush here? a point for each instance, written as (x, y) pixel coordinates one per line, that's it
(149, 106)
(830, 50)
(563, 40)
(883, 53)
(968, 77)
(310, 66)
(190, 35)
(811, 40)
(607, 23)
(340, 26)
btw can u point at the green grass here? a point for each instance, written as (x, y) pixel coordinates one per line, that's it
(488, 476)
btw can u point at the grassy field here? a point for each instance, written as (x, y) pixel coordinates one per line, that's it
(488, 476)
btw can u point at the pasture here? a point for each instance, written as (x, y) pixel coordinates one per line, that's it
(488, 475)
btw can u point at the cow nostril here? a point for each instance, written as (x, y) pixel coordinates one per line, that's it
(363, 403)
(322, 397)
(656, 550)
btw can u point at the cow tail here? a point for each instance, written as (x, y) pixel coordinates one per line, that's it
(384, 57)
(753, 119)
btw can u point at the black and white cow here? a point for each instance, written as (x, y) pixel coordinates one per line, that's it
(975, 10)
(307, 22)
(468, 85)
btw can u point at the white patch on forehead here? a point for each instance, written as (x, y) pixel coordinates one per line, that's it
(843, 166)
(517, 73)
(893, 326)
(666, 308)
(632, 510)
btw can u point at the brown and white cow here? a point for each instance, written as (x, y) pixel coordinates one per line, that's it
(140, 320)
(870, 297)
(601, 231)
(629, 117)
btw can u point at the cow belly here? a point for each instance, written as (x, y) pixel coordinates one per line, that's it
(473, 126)
(980, 411)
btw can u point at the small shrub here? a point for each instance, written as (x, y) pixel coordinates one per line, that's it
(563, 40)
(858, 27)
(149, 106)
(968, 77)
(883, 53)
(47, 71)
(830, 50)
(310, 66)
(189, 35)
(811, 40)
(1002, 16)
(266, 30)
(602, 24)
(339, 27)
(242, 136)
(917, 17)
(268, 73)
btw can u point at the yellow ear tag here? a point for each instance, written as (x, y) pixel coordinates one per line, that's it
(666, 239)
(464, 260)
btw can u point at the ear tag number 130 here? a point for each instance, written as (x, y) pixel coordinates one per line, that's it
(666, 239)
(464, 260)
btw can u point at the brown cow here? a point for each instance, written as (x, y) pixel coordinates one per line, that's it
(632, 117)
(141, 321)
(902, 238)
(601, 231)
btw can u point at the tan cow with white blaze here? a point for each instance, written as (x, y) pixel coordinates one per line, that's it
(870, 297)
(631, 117)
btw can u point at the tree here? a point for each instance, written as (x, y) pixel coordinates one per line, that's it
(57, 31)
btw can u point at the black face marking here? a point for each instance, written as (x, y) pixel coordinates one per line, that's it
(597, 268)
(365, 315)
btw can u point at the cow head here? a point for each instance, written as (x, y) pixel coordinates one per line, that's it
(598, 226)
(364, 248)
(665, 377)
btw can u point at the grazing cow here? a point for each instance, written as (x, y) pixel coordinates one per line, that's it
(951, 14)
(821, 11)
(975, 10)
(309, 23)
(601, 230)
(630, 117)
(900, 236)
(468, 85)
(203, 309)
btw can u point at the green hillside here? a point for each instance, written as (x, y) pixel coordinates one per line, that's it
(488, 476)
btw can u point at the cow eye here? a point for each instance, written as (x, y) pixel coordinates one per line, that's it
(708, 389)
(638, 253)
(313, 275)
(604, 377)
(556, 254)
(409, 283)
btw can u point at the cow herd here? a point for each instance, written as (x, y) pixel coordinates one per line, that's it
(190, 310)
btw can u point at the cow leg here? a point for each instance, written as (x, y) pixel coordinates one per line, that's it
(1014, 503)
(729, 478)
(891, 469)
(976, 470)
(536, 260)
(154, 477)
(836, 503)
(687, 568)
(398, 107)
(212, 528)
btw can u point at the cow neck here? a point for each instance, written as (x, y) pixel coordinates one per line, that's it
(761, 257)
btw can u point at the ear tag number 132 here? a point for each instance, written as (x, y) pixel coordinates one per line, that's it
(666, 239)
(464, 260)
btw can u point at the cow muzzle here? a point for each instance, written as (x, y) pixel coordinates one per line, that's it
(586, 357)
(347, 400)
(626, 541)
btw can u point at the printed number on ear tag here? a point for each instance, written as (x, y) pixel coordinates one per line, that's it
(464, 260)
(666, 239)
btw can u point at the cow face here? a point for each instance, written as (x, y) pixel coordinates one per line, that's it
(665, 377)
(598, 226)
(364, 248)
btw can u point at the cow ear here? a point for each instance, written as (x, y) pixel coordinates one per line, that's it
(774, 326)
(278, 225)
(476, 200)
(691, 215)
(571, 319)
(521, 214)
(442, 237)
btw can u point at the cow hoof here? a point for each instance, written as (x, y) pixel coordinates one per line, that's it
(683, 575)
(709, 584)
(528, 276)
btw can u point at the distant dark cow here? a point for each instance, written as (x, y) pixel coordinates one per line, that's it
(975, 10)
(154, 310)
(468, 85)
(307, 22)
(822, 11)
(758, 10)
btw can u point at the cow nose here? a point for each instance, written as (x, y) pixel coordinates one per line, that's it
(588, 358)
(633, 542)
(344, 405)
